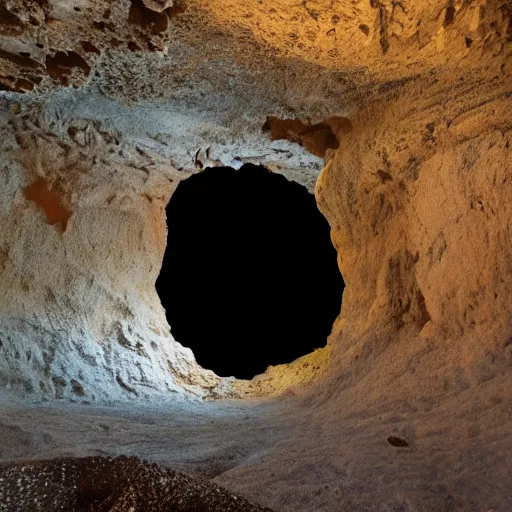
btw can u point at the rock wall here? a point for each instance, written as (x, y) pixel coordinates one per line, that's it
(122, 101)
(419, 199)
(82, 240)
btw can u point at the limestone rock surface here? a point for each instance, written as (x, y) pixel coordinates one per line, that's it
(397, 99)
(397, 113)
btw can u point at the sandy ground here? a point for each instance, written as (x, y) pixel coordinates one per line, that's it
(298, 456)
(199, 438)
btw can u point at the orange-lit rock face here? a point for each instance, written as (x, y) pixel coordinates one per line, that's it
(233, 64)
(61, 65)
(49, 201)
(316, 138)
(418, 201)
(405, 104)
(358, 38)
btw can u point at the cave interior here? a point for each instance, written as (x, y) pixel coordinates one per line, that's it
(255, 255)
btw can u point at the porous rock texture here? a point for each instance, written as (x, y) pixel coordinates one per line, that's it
(80, 315)
(407, 108)
(98, 484)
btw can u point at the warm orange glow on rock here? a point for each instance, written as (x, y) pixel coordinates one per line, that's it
(316, 138)
(50, 201)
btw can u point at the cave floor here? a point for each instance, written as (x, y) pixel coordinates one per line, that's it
(200, 438)
(292, 454)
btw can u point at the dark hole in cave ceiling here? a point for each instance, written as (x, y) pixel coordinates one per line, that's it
(249, 277)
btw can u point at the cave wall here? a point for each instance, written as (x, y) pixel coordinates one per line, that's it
(419, 200)
(105, 108)
(82, 240)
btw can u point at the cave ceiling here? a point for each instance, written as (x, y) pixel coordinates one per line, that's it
(193, 82)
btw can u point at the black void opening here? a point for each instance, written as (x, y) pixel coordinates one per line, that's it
(249, 277)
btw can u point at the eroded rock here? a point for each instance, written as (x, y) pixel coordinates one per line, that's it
(407, 109)
(407, 106)
(97, 484)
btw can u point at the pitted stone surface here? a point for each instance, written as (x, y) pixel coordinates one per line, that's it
(106, 107)
(101, 484)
